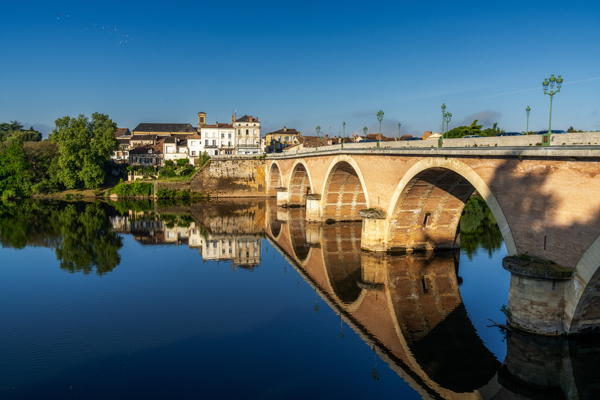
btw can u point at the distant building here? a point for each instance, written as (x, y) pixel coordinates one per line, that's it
(195, 148)
(175, 148)
(147, 155)
(281, 138)
(431, 135)
(247, 131)
(218, 138)
(123, 133)
(160, 129)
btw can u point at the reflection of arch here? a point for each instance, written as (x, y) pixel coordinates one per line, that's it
(297, 226)
(274, 225)
(448, 190)
(343, 193)
(584, 292)
(431, 320)
(274, 179)
(299, 181)
(342, 261)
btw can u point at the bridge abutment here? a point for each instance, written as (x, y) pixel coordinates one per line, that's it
(536, 301)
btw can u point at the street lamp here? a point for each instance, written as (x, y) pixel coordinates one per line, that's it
(527, 110)
(379, 118)
(318, 129)
(447, 119)
(399, 130)
(551, 82)
(443, 115)
(344, 139)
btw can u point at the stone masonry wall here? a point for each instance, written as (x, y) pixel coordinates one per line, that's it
(232, 176)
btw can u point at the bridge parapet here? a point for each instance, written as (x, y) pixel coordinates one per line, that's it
(564, 142)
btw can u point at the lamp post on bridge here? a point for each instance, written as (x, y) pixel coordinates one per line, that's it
(399, 130)
(551, 82)
(443, 117)
(527, 110)
(318, 129)
(447, 119)
(379, 118)
(344, 139)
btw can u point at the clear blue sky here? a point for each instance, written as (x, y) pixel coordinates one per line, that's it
(302, 63)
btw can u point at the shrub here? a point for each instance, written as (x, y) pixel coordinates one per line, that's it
(169, 163)
(136, 188)
(183, 161)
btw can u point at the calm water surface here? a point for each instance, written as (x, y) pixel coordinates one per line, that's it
(246, 300)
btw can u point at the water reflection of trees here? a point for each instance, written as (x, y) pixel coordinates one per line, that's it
(80, 233)
(478, 228)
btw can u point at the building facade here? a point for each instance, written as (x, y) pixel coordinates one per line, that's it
(247, 134)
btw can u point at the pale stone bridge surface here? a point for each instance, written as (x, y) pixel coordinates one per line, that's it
(410, 311)
(546, 201)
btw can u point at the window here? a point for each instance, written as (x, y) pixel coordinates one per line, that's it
(229, 136)
(193, 152)
(222, 136)
(214, 142)
(206, 142)
(239, 131)
(170, 149)
(254, 131)
(246, 142)
(193, 142)
(246, 131)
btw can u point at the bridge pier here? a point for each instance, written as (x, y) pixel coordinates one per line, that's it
(374, 230)
(282, 196)
(313, 207)
(536, 301)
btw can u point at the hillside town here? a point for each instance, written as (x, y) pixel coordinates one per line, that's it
(151, 144)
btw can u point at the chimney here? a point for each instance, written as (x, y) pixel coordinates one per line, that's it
(233, 118)
(284, 128)
(251, 118)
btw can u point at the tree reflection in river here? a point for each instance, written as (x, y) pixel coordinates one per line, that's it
(80, 233)
(478, 228)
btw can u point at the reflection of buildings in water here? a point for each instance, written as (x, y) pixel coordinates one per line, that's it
(409, 309)
(242, 250)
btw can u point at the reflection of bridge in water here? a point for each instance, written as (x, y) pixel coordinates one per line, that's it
(410, 309)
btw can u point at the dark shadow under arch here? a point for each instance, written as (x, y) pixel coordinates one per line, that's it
(427, 213)
(274, 179)
(344, 195)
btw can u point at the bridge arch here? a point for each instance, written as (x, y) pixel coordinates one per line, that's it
(432, 194)
(583, 293)
(298, 182)
(344, 192)
(275, 179)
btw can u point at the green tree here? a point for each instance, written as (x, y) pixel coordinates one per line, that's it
(15, 171)
(85, 148)
(494, 131)
(460, 131)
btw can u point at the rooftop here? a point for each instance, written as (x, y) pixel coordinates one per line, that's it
(160, 127)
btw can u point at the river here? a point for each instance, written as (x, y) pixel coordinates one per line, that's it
(242, 299)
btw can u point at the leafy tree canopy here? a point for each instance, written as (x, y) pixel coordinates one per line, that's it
(85, 148)
(461, 131)
(493, 131)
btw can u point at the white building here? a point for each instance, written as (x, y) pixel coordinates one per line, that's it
(218, 139)
(175, 148)
(195, 148)
(247, 134)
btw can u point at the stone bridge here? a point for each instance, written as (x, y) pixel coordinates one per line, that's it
(409, 310)
(546, 202)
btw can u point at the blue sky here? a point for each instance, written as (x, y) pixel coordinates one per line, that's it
(302, 63)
